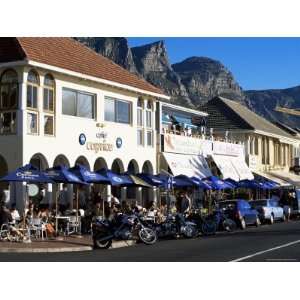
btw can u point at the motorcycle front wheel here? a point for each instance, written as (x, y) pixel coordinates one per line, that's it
(190, 231)
(147, 235)
(229, 225)
(98, 244)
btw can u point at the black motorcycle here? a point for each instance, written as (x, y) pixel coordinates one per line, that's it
(122, 227)
(223, 222)
(206, 225)
(175, 226)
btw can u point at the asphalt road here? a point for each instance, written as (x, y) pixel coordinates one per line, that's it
(278, 242)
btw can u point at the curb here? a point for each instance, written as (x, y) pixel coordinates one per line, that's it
(115, 245)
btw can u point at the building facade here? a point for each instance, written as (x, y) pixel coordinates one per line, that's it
(56, 110)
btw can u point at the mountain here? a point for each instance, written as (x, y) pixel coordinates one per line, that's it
(265, 102)
(195, 80)
(205, 78)
(152, 63)
(114, 48)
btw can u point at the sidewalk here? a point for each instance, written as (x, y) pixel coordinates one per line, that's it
(61, 244)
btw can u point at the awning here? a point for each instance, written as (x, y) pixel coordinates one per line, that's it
(225, 166)
(189, 165)
(269, 176)
(241, 168)
(289, 177)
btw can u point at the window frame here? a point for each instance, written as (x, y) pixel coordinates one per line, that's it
(15, 126)
(94, 97)
(9, 84)
(33, 85)
(152, 138)
(142, 135)
(37, 122)
(49, 88)
(115, 119)
(52, 116)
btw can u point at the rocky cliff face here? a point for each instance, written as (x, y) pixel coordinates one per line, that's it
(153, 64)
(205, 78)
(265, 101)
(114, 48)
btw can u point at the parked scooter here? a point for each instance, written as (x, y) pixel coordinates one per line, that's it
(123, 227)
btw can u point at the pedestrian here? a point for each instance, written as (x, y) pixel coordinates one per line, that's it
(63, 201)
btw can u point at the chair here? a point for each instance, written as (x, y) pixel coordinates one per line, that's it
(74, 225)
(4, 232)
(38, 227)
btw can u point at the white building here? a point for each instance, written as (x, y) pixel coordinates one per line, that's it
(62, 103)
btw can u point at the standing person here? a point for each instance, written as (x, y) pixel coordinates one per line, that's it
(81, 198)
(63, 201)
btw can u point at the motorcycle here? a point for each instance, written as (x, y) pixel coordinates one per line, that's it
(122, 227)
(207, 226)
(174, 226)
(223, 222)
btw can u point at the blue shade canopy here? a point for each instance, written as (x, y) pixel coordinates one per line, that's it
(87, 176)
(27, 173)
(250, 184)
(194, 181)
(234, 184)
(115, 179)
(60, 174)
(170, 181)
(216, 183)
(151, 179)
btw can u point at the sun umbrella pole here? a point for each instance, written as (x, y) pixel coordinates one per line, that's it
(56, 210)
(77, 207)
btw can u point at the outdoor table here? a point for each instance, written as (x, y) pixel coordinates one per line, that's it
(64, 219)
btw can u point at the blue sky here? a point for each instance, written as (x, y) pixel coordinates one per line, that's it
(256, 63)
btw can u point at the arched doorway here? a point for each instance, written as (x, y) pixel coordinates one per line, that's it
(61, 160)
(147, 194)
(3, 172)
(99, 164)
(133, 168)
(117, 167)
(83, 161)
(39, 161)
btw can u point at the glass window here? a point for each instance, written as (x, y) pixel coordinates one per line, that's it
(140, 137)
(85, 105)
(140, 117)
(109, 109)
(149, 118)
(117, 111)
(69, 102)
(149, 105)
(149, 138)
(8, 122)
(49, 125)
(32, 123)
(33, 77)
(49, 81)
(9, 90)
(48, 98)
(123, 112)
(31, 96)
(140, 103)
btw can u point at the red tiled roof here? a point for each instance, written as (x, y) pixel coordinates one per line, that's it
(69, 54)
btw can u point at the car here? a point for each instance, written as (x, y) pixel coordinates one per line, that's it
(241, 212)
(269, 210)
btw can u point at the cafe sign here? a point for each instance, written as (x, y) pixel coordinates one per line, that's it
(99, 147)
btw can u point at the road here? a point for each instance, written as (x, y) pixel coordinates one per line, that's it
(278, 242)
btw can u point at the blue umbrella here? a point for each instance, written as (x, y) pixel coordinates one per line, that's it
(232, 182)
(87, 176)
(216, 183)
(249, 184)
(177, 182)
(60, 174)
(201, 184)
(115, 179)
(151, 179)
(27, 173)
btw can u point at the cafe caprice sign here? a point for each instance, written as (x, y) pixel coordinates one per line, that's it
(96, 146)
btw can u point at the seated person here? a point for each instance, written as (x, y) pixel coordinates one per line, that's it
(14, 214)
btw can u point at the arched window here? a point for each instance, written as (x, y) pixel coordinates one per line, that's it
(149, 105)
(9, 90)
(49, 93)
(149, 124)
(140, 103)
(49, 104)
(140, 122)
(32, 89)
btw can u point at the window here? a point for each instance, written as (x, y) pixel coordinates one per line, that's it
(149, 138)
(9, 90)
(149, 118)
(140, 119)
(49, 125)
(48, 103)
(256, 145)
(32, 123)
(8, 122)
(118, 111)
(32, 89)
(79, 104)
(140, 137)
